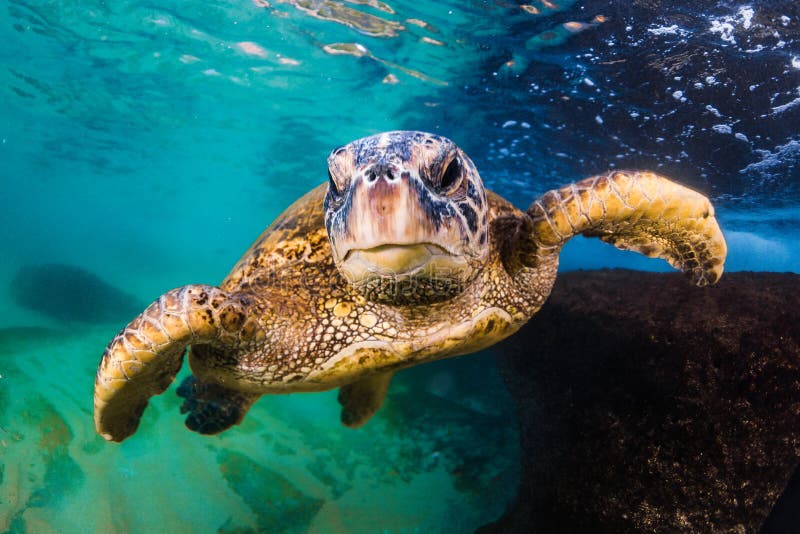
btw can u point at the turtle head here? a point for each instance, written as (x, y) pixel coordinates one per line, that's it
(406, 217)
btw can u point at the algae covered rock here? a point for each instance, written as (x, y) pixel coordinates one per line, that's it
(646, 405)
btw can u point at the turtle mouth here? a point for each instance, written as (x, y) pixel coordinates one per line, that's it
(400, 261)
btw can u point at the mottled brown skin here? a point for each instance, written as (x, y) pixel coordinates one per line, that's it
(287, 320)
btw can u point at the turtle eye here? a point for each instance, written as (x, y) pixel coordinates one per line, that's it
(332, 187)
(451, 175)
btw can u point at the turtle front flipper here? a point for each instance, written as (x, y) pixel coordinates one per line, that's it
(361, 399)
(638, 211)
(143, 359)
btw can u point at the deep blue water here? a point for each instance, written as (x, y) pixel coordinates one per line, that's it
(149, 144)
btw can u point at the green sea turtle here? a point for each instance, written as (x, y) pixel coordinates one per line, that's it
(403, 257)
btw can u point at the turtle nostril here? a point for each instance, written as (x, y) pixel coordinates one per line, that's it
(381, 171)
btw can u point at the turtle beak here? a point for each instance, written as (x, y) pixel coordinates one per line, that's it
(394, 260)
(392, 229)
(386, 209)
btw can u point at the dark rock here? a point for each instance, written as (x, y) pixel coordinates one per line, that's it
(785, 517)
(276, 503)
(68, 293)
(649, 405)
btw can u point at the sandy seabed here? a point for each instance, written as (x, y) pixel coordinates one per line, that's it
(441, 456)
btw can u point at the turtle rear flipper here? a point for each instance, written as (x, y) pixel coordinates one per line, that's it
(143, 359)
(362, 398)
(211, 407)
(639, 211)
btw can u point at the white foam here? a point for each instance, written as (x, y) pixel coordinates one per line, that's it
(678, 95)
(665, 30)
(784, 107)
(726, 26)
(722, 128)
(724, 29)
(770, 160)
(788, 105)
(746, 14)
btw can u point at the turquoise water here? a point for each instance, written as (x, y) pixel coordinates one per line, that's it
(149, 144)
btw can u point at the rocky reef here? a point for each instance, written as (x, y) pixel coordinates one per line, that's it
(68, 293)
(649, 405)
